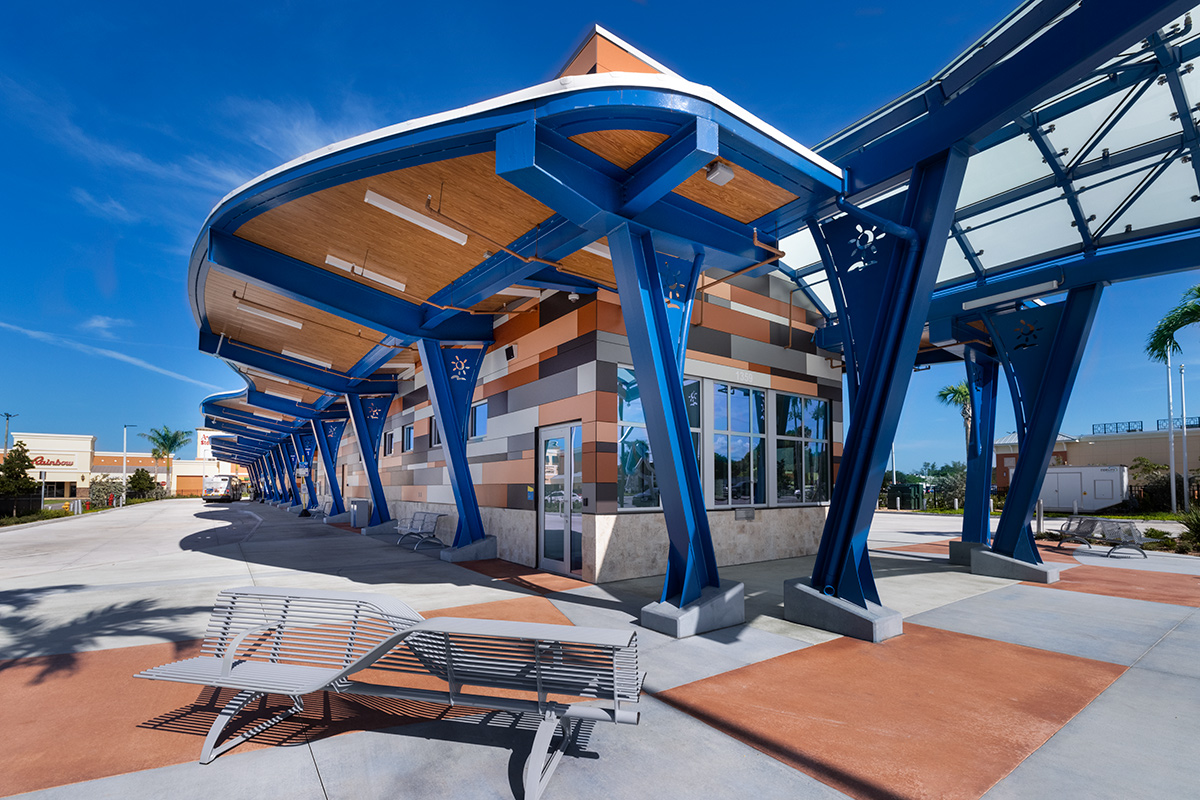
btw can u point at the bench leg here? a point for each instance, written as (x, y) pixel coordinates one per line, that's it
(241, 700)
(1131, 546)
(543, 760)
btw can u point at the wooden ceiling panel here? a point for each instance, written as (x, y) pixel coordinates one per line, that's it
(270, 416)
(622, 147)
(745, 198)
(288, 391)
(324, 336)
(337, 221)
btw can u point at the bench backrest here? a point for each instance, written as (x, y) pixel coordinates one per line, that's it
(304, 626)
(530, 657)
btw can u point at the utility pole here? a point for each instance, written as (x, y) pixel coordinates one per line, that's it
(7, 417)
(124, 460)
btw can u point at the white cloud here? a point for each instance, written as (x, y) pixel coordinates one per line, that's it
(102, 326)
(62, 341)
(295, 129)
(109, 209)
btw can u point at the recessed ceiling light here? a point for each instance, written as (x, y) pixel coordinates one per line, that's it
(415, 217)
(265, 314)
(599, 249)
(283, 396)
(309, 359)
(371, 275)
(520, 291)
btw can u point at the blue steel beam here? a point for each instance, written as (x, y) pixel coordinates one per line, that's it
(243, 431)
(292, 369)
(330, 292)
(367, 416)
(982, 380)
(843, 568)
(289, 462)
(694, 147)
(1143, 258)
(451, 375)
(328, 434)
(304, 454)
(1044, 397)
(658, 341)
(1015, 82)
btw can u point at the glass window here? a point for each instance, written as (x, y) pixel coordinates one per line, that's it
(388, 442)
(477, 422)
(637, 484)
(739, 445)
(801, 449)
(406, 439)
(435, 432)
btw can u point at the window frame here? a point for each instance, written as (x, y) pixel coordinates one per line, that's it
(407, 440)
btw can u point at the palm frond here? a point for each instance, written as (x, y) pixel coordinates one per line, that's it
(1162, 340)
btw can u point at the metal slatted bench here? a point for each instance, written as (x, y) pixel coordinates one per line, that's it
(422, 525)
(1111, 533)
(297, 641)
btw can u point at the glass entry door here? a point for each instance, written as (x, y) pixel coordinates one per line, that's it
(560, 504)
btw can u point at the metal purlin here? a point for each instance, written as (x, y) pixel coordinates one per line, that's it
(658, 342)
(842, 568)
(450, 374)
(328, 435)
(304, 444)
(1043, 393)
(983, 375)
(367, 416)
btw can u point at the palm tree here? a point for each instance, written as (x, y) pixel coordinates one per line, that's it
(1162, 339)
(157, 455)
(959, 395)
(166, 443)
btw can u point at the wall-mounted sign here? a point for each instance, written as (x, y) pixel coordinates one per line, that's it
(42, 461)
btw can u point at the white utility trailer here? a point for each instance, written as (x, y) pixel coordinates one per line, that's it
(1084, 489)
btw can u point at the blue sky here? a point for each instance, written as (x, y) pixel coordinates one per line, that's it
(124, 123)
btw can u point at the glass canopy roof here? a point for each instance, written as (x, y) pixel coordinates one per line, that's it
(1109, 161)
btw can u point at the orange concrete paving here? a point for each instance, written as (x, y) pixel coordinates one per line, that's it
(84, 716)
(526, 577)
(873, 719)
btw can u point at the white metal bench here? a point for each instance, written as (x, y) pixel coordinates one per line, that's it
(423, 526)
(293, 642)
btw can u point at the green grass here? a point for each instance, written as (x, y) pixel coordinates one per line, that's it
(34, 517)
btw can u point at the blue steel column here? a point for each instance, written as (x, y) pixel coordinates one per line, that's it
(328, 434)
(658, 348)
(255, 478)
(289, 465)
(451, 375)
(842, 567)
(982, 379)
(1044, 397)
(304, 451)
(264, 464)
(367, 415)
(277, 474)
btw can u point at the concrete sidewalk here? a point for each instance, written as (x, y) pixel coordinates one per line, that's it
(997, 689)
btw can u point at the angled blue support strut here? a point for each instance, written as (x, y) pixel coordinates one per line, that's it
(656, 305)
(367, 416)
(288, 452)
(451, 374)
(304, 445)
(842, 567)
(264, 465)
(328, 435)
(1041, 348)
(277, 473)
(982, 379)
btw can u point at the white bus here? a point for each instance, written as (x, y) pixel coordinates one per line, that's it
(222, 489)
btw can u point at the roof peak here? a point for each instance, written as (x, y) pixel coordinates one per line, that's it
(604, 51)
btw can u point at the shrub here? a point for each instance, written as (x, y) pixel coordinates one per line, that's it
(101, 488)
(43, 514)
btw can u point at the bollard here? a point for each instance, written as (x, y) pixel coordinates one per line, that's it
(956, 504)
(1041, 519)
(991, 505)
(1074, 506)
(897, 502)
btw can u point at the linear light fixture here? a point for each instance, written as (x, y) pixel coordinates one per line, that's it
(599, 249)
(262, 312)
(520, 291)
(371, 275)
(415, 217)
(309, 359)
(1024, 293)
(283, 396)
(268, 377)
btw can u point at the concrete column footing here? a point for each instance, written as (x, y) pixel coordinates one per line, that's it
(343, 517)
(986, 562)
(960, 552)
(383, 527)
(808, 606)
(717, 607)
(479, 550)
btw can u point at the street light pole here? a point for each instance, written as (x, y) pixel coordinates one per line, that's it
(1187, 483)
(1171, 432)
(7, 417)
(124, 460)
